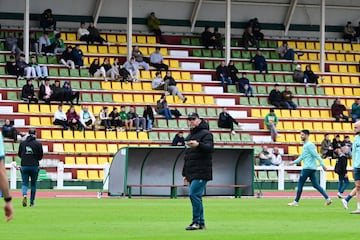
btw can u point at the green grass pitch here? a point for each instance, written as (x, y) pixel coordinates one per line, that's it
(67, 218)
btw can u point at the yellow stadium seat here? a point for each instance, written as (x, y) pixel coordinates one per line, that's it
(336, 79)
(310, 45)
(338, 46)
(280, 126)
(106, 85)
(91, 160)
(308, 125)
(255, 112)
(329, 176)
(58, 148)
(185, 76)
(347, 126)
(303, 113)
(81, 160)
(91, 148)
(327, 125)
(121, 39)
(126, 86)
(163, 51)
(338, 91)
(315, 67)
(117, 98)
(151, 39)
(90, 135)
(133, 39)
(293, 150)
(97, 109)
(349, 58)
(141, 39)
(93, 50)
(46, 134)
(324, 114)
(128, 98)
(300, 45)
(79, 135)
(353, 68)
(209, 100)
(138, 98)
(102, 160)
(343, 68)
(34, 108)
(122, 136)
(113, 50)
(313, 56)
(34, 121)
(23, 108)
(340, 57)
(337, 126)
(102, 148)
(45, 108)
(354, 80)
(103, 49)
(137, 86)
(144, 51)
(111, 38)
(329, 91)
(80, 148)
(318, 126)
(100, 135)
(71, 37)
(298, 125)
(152, 49)
(329, 46)
(122, 50)
(143, 136)
(82, 175)
(111, 135)
(347, 92)
(327, 80)
(56, 134)
(334, 68)
(149, 99)
(146, 74)
(314, 113)
(347, 47)
(69, 147)
(197, 87)
(93, 175)
(101, 174)
(199, 100)
(112, 148)
(281, 138)
(68, 135)
(132, 136)
(46, 121)
(288, 125)
(70, 160)
(356, 91)
(174, 63)
(285, 113)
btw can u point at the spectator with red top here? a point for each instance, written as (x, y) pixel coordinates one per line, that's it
(73, 118)
(337, 111)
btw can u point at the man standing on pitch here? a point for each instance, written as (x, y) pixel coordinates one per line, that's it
(356, 164)
(30, 152)
(309, 155)
(197, 168)
(4, 184)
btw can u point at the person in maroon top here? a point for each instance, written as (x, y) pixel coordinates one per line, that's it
(73, 118)
(337, 110)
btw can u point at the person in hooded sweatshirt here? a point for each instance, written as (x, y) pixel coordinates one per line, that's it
(30, 152)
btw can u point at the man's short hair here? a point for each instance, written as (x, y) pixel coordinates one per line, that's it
(306, 132)
(276, 85)
(32, 131)
(22, 55)
(12, 57)
(272, 110)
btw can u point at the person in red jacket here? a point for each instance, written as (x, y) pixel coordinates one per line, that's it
(337, 110)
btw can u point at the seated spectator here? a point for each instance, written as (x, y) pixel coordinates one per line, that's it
(67, 58)
(265, 157)
(78, 56)
(249, 39)
(128, 123)
(310, 76)
(87, 119)
(349, 32)
(46, 91)
(276, 98)
(223, 74)
(45, 44)
(116, 119)
(58, 43)
(260, 62)
(12, 44)
(288, 98)
(288, 53)
(60, 118)
(138, 121)
(108, 69)
(355, 110)
(139, 58)
(171, 87)
(271, 120)
(83, 34)
(244, 86)
(132, 68)
(227, 121)
(69, 94)
(337, 111)
(38, 71)
(95, 69)
(336, 143)
(158, 83)
(217, 39)
(11, 67)
(162, 107)
(57, 92)
(148, 114)
(298, 75)
(233, 71)
(28, 93)
(105, 119)
(347, 142)
(47, 20)
(157, 60)
(115, 74)
(73, 119)
(256, 29)
(23, 67)
(33, 43)
(276, 157)
(94, 34)
(154, 26)
(179, 139)
(207, 38)
(326, 149)
(9, 131)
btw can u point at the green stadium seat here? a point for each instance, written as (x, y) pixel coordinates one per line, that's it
(245, 137)
(2, 46)
(216, 63)
(64, 72)
(195, 41)
(85, 85)
(96, 85)
(303, 102)
(269, 78)
(320, 91)
(84, 72)
(216, 137)
(276, 67)
(217, 53)
(183, 123)
(153, 136)
(248, 66)
(235, 54)
(312, 102)
(274, 55)
(107, 97)
(253, 101)
(2, 70)
(272, 44)
(164, 136)
(2, 83)
(232, 89)
(288, 79)
(206, 53)
(244, 101)
(322, 102)
(86, 97)
(161, 123)
(263, 101)
(259, 77)
(208, 65)
(42, 59)
(266, 55)
(197, 53)
(11, 83)
(53, 72)
(185, 41)
(235, 137)
(8, 147)
(43, 175)
(75, 84)
(225, 137)
(11, 96)
(97, 97)
(300, 90)
(261, 90)
(310, 91)
(213, 124)
(263, 44)
(74, 73)
(287, 67)
(251, 77)
(238, 65)
(211, 112)
(190, 110)
(279, 78)
(245, 54)
(52, 60)
(234, 43)
(201, 111)
(2, 58)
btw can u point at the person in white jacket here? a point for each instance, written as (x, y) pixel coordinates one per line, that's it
(276, 159)
(87, 119)
(83, 34)
(60, 118)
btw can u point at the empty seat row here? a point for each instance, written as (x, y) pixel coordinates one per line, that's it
(329, 46)
(344, 68)
(87, 160)
(316, 125)
(116, 38)
(91, 174)
(177, 75)
(286, 113)
(122, 50)
(93, 135)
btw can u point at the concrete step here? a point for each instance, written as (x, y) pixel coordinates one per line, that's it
(202, 77)
(213, 90)
(190, 65)
(262, 139)
(250, 126)
(179, 53)
(6, 109)
(238, 114)
(225, 102)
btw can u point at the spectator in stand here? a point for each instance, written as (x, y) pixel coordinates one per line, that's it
(265, 157)
(223, 74)
(249, 39)
(298, 75)
(244, 85)
(116, 119)
(83, 34)
(78, 56)
(207, 38)
(260, 62)
(47, 20)
(46, 91)
(95, 69)
(276, 98)
(310, 76)
(38, 71)
(23, 67)
(105, 119)
(58, 92)
(256, 29)
(138, 121)
(45, 44)
(288, 53)
(157, 60)
(128, 123)
(233, 72)
(94, 34)
(87, 119)
(33, 43)
(349, 32)
(12, 44)
(327, 150)
(217, 39)
(132, 68)
(28, 93)
(115, 74)
(67, 58)
(73, 119)
(9, 131)
(162, 107)
(139, 58)
(172, 88)
(276, 157)
(355, 110)
(69, 94)
(149, 117)
(158, 83)
(340, 170)
(154, 26)
(179, 139)
(347, 142)
(336, 143)
(60, 118)
(58, 43)
(11, 67)
(288, 98)
(337, 111)
(271, 120)
(227, 121)
(106, 68)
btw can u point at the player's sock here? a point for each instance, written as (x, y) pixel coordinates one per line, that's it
(348, 197)
(358, 205)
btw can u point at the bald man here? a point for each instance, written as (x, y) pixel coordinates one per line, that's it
(356, 164)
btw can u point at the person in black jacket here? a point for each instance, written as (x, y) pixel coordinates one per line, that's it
(275, 98)
(227, 121)
(197, 170)
(47, 20)
(30, 152)
(46, 91)
(28, 93)
(148, 114)
(223, 74)
(179, 139)
(340, 169)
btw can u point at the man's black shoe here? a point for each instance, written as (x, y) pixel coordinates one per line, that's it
(193, 226)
